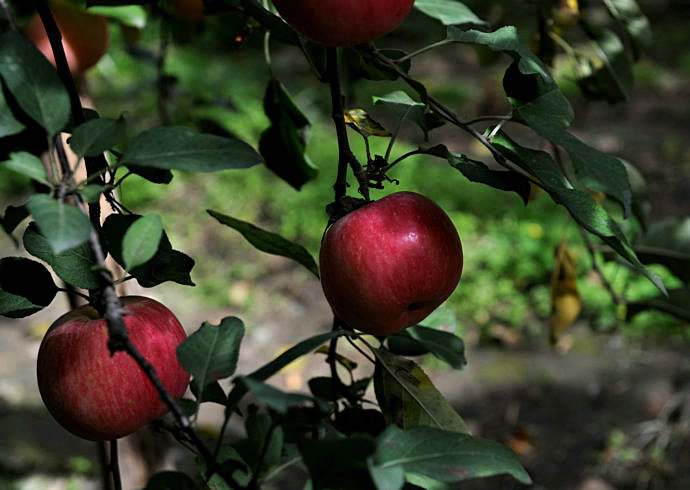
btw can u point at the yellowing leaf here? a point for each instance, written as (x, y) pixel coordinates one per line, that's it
(360, 120)
(565, 297)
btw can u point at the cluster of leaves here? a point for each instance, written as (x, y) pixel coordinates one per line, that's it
(414, 435)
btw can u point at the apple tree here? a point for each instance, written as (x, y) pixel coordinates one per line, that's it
(74, 237)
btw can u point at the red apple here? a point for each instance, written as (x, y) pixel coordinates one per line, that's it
(101, 397)
(84, 35)
(343, 22)
(387, 265)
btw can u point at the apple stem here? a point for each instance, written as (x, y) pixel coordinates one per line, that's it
(345, 156)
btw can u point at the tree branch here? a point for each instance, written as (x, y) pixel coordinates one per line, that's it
(345, 156)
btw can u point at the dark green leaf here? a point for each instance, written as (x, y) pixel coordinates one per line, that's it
(449, 12)
(28, 165)
(339, 463)
(294, 352)
(372, 69)
(582, 207)
(628, 13)
(171, 480)
(406, 107)
(232, 468)
(93, 192)
(33, 82)
(13, 216)
(264, 438)
(141, 240)
(677, 303)
(274, 398)
(667, 242)
(173, 147)
(283, 144)
(608, 73)
(355, 420)
(26, 287)
(211, 353)
(444, 456)
(269, 242)
(476, 171)
(97, 136)
(446, 346)
(213, 392)
(408, 398)
(129, 15)
(641, 205)
(166, 265)
(74, 265)
(8, 124)
(63, 225)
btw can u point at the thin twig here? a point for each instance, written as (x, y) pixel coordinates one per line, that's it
(114, 465)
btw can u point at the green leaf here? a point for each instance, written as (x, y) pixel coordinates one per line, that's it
(580, 204)
(608, 73)
(628, 13)
(64, 226)
(128, 15)
(13, 216)
(211, 353)
(178, 148)
(166, 265)
(476, 171)
(445, 456)
(171, 480)
(94, 137)
(677, 303)
(26, 287)
(295, 352)
(446, 346)
(284, 142)
(449, 12)
(141, 240)
(667, 242)
(408, 398)
(8, 124)
(29, 165)
(33, 82)
(274, 398)
(264, 442)
(403, 105)
(213, 392)
(338, 463)
(268, 242)
(74, 265)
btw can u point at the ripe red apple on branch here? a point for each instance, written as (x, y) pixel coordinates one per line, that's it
(84, 35)
(387, 265)
(343, 22)
(101, 397)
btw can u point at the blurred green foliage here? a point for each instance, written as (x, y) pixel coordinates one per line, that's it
(509, 248)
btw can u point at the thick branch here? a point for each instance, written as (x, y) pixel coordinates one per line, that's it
(345, 156)
(93, 164)
(118, 340)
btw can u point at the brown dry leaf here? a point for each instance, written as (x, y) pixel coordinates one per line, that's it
(565, 297)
